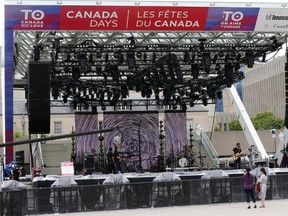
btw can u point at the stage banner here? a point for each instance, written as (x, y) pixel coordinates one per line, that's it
(272, 20)
(231, 19)
(176, 136)
(133, 18)
(36, 17)
(138, 134)
(85, 122)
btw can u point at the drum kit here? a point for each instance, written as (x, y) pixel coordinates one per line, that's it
(184, 159)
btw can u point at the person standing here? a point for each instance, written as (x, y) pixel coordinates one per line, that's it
(262, 179)
(117, 160)
(248, 180)
(236, 156)
(110, 161)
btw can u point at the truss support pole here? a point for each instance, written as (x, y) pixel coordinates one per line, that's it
(245, 121)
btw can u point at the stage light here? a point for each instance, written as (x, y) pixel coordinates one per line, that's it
(195, 70)
(154, 58)
(145, 57)
(65, 99)
(249, 59)
(75, 73)
(229, 74)
(106, 58)
(98, 54)
(86, 105)
(139, 54)
(193, 58)
(131, 61)
(55, 92)
(217, 67)
(238, 57)
(132, 40)
(94, 108)
(205, 101)
(91, 58)
(215, 58)
(68, 57)
(74, 104)
(99, 70)
(82, 62)
(206, 61)
(186, 57)
(36, 53)
(183, 107)
(103, 107)
(121, 59)
(191, 103)
(264, 57)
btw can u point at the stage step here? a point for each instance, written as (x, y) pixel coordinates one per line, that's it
(53, 154)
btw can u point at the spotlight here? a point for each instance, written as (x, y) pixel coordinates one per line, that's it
(82, 62)
(55, 93)
(183, 107)
(249, 59)
(145, 57)
(229, 74)
(132, 40)
(195, 70)
(103, 107)
(106, 58)
(86, 105)
(191, 104)
(98, 54)
(186, 57)
(131, 61)
(206, 60)
(94, 109)
(139, 54)
(65, 99)
(264, 57)
(205, 102)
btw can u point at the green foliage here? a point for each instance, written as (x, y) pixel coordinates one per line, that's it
(235, 126)
(262, 121)
(217, 129)
(17, 134)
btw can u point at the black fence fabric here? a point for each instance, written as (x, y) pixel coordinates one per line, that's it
(134, 195)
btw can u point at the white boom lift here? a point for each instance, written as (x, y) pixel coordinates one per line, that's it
(246, 124)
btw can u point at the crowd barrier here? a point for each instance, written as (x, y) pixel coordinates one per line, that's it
(100, 197)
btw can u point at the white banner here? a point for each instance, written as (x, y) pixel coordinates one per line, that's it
(272, 20)
(67, 168)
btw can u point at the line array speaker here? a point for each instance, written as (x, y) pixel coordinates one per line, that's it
(39, 97)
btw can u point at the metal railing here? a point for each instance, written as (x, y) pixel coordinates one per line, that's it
(98, 197)
(213, 155)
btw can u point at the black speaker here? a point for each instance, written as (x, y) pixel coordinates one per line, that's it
(39, 97)
(19, 155)
(89, 161)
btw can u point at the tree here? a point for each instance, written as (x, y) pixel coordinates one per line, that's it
(262, 121)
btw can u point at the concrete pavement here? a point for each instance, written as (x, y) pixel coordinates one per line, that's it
(273, 208)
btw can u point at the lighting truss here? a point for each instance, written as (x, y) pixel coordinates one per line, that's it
(102, 68)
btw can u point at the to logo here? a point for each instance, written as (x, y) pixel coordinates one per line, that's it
(34, 14)
(234, 16)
